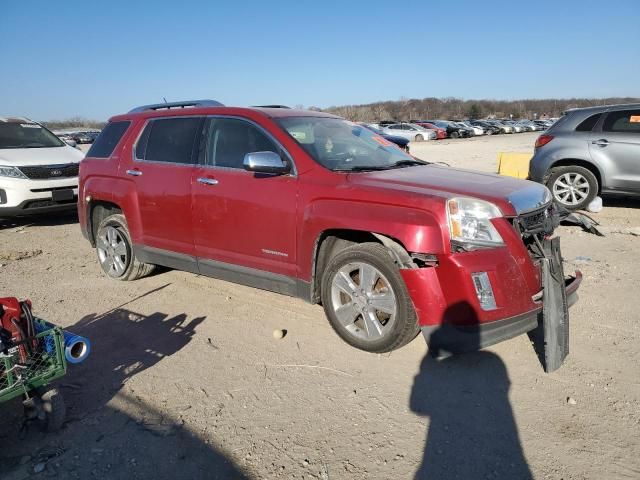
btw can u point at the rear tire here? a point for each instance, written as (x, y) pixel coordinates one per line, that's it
(115, 250)
(366, 300)
(572, 186)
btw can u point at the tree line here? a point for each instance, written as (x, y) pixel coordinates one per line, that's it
(452, 108)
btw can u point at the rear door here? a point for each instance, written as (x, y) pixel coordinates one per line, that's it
(165, 156)
(244, 222)
(617, 148)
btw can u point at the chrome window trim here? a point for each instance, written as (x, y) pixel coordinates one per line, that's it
(158, 162)
(294, 170)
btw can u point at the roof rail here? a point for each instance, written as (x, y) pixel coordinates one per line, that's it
(270, 106)
(183, 104)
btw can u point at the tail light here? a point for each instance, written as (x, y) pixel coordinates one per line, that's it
(542, 140)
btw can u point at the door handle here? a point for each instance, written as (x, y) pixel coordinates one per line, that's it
(603, 142)
(134, 173)
(207, 181)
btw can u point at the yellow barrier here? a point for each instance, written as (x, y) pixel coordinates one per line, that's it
(514, 164)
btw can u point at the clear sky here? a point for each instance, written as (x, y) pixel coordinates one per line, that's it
(98, 58)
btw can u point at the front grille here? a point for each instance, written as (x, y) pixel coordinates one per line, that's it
(42, 172)
(543, 220)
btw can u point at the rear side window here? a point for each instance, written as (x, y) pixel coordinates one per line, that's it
(588, 124)
(169, 140)
(106, 142)
(624, 121)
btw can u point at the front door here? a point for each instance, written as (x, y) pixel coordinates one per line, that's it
(617, 149)
(244, 223)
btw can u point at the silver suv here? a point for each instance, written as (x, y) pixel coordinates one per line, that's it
(590, 151)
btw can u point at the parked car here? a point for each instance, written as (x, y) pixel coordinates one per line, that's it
(307, 204)
(441, 133)
(544, 124)
(528, 125)
(590, 151)
(453, 131)
(504, 128)
(475, 129)
(402, 142)
(410, 131)
(487, 127)
(514, 126)
(38, 171)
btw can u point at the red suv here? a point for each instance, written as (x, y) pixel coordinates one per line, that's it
(310, 205)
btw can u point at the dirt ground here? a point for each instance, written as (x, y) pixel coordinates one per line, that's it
(185, 379)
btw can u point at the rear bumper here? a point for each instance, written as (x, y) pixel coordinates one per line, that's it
(465, 338)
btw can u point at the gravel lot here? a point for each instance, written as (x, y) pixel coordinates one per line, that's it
(186, 380)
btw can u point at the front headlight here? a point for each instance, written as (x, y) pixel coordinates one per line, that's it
(11, 172)
(470, 222)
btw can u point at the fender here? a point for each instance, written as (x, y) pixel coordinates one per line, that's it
(417, 230)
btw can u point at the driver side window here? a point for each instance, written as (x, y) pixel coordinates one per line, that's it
(230, 139)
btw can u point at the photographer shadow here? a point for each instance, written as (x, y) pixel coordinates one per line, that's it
(472, 432)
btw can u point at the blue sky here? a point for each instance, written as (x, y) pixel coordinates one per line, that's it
(98, 58)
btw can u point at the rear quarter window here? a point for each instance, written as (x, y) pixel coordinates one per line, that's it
(588, 124)
(106, 142)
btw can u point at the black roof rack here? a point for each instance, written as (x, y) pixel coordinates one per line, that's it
(183, 104)
(271, 106)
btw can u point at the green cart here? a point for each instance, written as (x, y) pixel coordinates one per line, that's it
(27, 370)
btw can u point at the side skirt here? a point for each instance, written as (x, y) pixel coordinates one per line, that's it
(250, 277)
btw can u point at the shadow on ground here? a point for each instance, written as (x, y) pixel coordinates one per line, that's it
(472, 433)
(111, 432)
(48, 220)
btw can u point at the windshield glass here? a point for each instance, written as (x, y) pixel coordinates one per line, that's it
(341, 145)
(27, 135)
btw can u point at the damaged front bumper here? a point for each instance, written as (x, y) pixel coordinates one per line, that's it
(454, 338)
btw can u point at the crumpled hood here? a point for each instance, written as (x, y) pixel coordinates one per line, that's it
(19, 157)
(511, 195)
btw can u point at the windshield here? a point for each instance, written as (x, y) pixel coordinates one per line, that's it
(340, 145)
(27, 135)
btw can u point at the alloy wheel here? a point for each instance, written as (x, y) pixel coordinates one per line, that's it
(112, 251)
(363, 301)
(571, 188)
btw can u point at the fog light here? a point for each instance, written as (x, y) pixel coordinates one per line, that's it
(484, 290)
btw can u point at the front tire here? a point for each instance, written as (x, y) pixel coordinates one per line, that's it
(572, 186)
(366, 300)
(419, 138)
(115, 250)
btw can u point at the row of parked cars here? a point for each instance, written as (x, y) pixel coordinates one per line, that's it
(84, 136)
(422, 130)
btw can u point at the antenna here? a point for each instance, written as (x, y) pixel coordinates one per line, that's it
(165, 100)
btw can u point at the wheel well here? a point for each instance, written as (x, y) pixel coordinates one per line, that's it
(331, 242)
(570, 162)
(99, 211)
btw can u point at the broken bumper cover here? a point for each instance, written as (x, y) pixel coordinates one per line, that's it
(464, 338)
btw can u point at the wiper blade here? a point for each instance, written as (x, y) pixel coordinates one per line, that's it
(363, 168)
(408, 163)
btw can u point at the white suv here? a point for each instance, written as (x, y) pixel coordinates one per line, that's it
(38, 171)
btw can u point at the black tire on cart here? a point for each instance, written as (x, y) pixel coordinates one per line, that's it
(49, 411)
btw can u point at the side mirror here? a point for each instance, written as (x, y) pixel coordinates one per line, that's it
(265, 162)
(70, 142)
